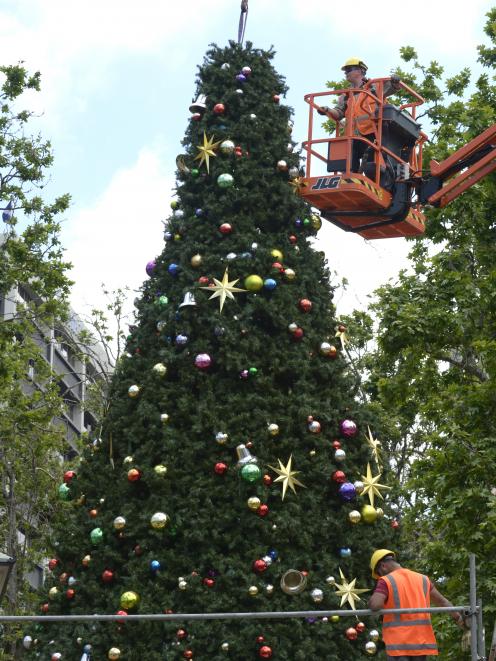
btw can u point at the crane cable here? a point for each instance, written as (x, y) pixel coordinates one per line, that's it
(242, 21)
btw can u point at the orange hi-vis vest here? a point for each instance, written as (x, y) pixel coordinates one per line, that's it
(408, 634)
(362, 111)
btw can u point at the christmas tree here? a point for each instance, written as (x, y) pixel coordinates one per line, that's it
(236, 469)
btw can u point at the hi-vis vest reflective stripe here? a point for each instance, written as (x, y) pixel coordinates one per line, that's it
(408, 634)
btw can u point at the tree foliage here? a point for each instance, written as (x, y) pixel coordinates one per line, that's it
(31, 444)
(434, 368)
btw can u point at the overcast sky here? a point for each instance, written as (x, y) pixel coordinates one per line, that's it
(117, 81)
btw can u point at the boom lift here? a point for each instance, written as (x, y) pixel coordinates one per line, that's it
(385, 198)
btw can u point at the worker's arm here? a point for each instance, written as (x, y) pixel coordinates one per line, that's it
(377, 601)
(439, 600)
(330, 112)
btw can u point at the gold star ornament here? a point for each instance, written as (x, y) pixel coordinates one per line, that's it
(374, 445)
(207, 149)
(287, 476)
(348, 592)
(371, 486)
(297, 183)
(223, 289)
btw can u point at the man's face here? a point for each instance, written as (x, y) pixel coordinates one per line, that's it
(354, 75)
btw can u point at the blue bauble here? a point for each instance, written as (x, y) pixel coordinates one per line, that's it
(345, 552)
(168, 236)
(173, 268)
(181, 339)
(270, 284)
(347, 491)
(273, 554)
(299, 222)
(155, 565)
(199, 212)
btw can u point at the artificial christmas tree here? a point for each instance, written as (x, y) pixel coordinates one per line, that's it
(230, 472)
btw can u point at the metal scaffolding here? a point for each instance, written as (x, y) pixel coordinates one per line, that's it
(472, 611)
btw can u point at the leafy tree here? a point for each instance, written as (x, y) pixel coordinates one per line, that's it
(433, 373)
(171, 520)
(31, 444)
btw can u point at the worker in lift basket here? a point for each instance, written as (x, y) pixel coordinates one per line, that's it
(363, 107)
(407, 636)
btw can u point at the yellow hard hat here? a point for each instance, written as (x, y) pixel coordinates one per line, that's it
(354, 62)
(377, 556)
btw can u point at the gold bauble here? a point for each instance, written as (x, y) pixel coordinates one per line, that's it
(254, 503)
(160, 369)
(127, 460)
(129, 600)
(159, 520)
(225, 647)
(119, 523)
(52, 593)
(253, 590)
(334, 618)
(164, 417)
(354, 516)
(289, 274)
(160, 470)
(182, 585)
(196, 261)
(325, 348)
(330, 580)
(380, 512)
(277, 255)
(86, 560)
(273, 429)
(114, 653)
(369, 514)
(316, 222)
(133, 391)
(359, 486)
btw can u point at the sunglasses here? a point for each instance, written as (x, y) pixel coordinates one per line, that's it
(348, 69)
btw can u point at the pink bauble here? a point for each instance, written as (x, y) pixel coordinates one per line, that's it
(348, 428)
(203, 361)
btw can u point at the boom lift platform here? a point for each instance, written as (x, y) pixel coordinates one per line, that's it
(386, 196)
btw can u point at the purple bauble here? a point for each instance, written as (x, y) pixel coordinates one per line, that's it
(199, 212)
(299, 222)
(348, 428)
(150, 267)
(347, 491)
(203, 361)
(181, 339)
(244, 374)
(241, 78)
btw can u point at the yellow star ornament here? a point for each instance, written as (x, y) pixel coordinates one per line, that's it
(287, 476)
(348, 592)
(206, 150)
(297, 183)
(223, 289)
(371, 485)
(374, 445)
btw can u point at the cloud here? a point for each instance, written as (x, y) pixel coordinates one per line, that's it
(112, 241)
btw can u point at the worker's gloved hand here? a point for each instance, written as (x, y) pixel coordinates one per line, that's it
(323, 110)
(395, 80)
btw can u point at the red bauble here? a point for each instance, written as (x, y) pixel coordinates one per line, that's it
(260, 639)
(220, 468)
(276, 98)
(225, 228)
(203, 280)
(52, 564)
(263, 510)
(188, 654)
(304, 572)
(292, 239)
(259, 566)
(44, 608)
(351, 633)
(336, 445)
(133, 475)
(68, 476)
(395, 524)
(341, 328)
(121, 612)
(209, 582)
(277, 266)
(107, 576)
(93, 513)
(360, 627)
(181, 634)
(339, 477)
(333, 352)
(219, 108)
(70, 593)
(298, 334)
(265, 652)
(305, 305)
(238, 151)
(267, 480)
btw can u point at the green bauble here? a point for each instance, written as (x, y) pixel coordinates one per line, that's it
(129, 600)
(162, 301)
(225, 180)
(96, 536)
(64, 492)
(253, 283)
(251, 473)
(195, 172)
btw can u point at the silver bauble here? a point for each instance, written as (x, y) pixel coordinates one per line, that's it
(317, 595)
(330, 580)
(339, 455)
(374, 635)
(370, 647)
(227, 146)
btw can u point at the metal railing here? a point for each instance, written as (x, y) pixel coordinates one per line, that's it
(473, 611)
